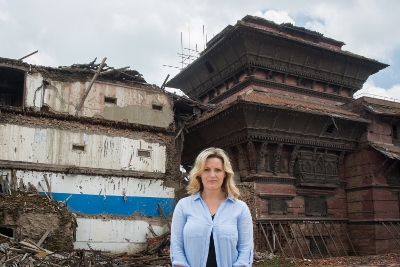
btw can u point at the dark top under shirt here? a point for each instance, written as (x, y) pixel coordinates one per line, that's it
(212, 259)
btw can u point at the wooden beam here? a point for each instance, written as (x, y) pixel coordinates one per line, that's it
(90, 86)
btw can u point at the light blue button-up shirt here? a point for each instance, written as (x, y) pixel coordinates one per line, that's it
(192, 225)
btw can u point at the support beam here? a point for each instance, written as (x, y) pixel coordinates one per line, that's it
(90, 86)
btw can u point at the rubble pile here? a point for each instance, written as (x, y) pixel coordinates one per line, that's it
(383, 260)
(43, 236)
(27, 253)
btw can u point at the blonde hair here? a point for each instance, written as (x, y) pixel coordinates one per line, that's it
(195, 183)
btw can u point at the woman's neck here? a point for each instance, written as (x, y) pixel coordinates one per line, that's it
(214, 194)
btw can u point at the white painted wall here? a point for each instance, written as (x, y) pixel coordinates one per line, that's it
(134, 103)
(54, 146)
(114, 235)
(95, 185)
(119, 233)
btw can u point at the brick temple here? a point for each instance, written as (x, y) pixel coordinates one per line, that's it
(319, 167)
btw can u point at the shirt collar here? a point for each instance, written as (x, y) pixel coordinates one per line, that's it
(197, 196)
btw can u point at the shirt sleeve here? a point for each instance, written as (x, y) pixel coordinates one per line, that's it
(245, 241)
(177, 251)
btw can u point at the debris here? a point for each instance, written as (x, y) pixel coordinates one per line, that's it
(160, 209)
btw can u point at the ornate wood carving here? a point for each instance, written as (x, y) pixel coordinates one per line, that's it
(278, 156)
(242, 162)
(232, 158)
(262, 161)
(251, 152)
(341, 157)
(313, 167)
(293, 158)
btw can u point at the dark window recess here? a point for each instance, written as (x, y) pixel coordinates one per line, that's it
(157, 107)
(277, 206)
(110, 100)
(394, 132)
(392, 174)
(330, 128)
(209, 67)
(306, 83)
(7, 231)
(144, 153)
(316, 206)
(398, 200)
(77, 147)
(317, 246)
(5, 99)
(11, 87)
(335, 89)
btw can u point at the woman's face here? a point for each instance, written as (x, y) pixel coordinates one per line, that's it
(213, 174)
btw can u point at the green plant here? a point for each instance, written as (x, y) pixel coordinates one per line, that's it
(278, 262)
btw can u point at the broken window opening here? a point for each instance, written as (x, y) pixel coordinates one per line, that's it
(110, 100)
(12, 83)
(330, 128)
(157, 107)
(78, 147)
(144, 153)
(7, 231)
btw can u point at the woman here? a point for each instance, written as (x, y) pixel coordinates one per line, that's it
(211, 227)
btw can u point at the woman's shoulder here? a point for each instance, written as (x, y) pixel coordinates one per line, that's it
(187, 199)
(241, 203)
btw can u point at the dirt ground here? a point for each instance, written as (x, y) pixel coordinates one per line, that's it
(384, 260)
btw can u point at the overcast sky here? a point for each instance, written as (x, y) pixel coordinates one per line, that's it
(146, 34)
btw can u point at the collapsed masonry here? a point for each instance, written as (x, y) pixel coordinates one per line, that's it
(30, 216)
(99, 139)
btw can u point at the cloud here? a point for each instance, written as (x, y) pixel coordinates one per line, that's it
(367, 27)
(278, 17)
(145, 35)
(370, 89)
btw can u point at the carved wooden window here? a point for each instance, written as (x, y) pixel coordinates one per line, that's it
(312, 60)
(316, 168)
(316, 205)
(209, 67)
(277, 206)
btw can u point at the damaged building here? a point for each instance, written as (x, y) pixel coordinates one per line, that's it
(320, 169)
(98, 139)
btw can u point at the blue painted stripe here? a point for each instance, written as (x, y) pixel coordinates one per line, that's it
(115, 205)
